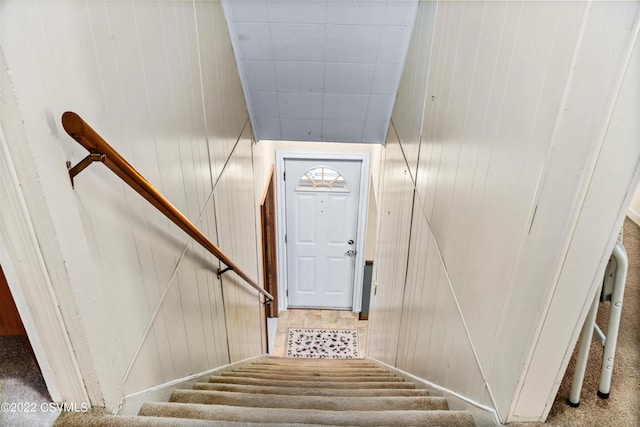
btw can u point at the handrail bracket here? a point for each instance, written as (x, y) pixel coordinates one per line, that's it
(221, 272)
(100, 151)
(83, 164)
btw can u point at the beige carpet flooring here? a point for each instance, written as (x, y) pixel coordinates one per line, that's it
(622, 409)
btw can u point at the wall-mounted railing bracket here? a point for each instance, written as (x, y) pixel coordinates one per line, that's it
(82, 164)
(221, 272)
(100, 151)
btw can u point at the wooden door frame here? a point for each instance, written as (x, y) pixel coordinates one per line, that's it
(10, 321)
(363, 203)
(268, 232)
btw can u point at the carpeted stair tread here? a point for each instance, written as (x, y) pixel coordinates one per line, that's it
(292, 393)
(315, 370)
(305, 391)
(307, 416)
(333, 403)
(295, 376)
(292, 361)
(313, 383)
(80, 419)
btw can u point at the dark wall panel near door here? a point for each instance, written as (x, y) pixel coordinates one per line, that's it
(269, 262)
(10, 322)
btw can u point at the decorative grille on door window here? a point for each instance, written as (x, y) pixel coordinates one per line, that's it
(321, 178)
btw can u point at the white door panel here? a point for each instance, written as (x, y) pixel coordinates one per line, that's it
(322, 199)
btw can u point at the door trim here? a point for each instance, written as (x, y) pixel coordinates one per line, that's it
(363, 204)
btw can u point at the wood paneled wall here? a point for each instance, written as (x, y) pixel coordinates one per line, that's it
(515, 100)
(158, 80)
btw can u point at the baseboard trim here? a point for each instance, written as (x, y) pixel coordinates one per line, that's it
(484, 416)
(634, 215)
(131, 403)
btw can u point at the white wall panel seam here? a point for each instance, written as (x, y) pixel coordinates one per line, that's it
(556, 126)
(236, 51)
(202, 95)
(584, 187)
(162, 298)
(534, 201)
(406, 270)
(444, 268)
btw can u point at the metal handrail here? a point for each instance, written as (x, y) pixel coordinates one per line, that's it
(100, 151)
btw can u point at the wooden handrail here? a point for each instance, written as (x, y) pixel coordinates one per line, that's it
(100, 151)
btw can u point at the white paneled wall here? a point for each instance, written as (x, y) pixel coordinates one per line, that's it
(517, 99)
(634, 209)
(394, 216)
(158, 80)
(236, 215)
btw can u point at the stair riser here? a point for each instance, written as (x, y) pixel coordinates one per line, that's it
(306, 416)
(278, 383)
(324, 371)
(309, 402)
(338, 363)
(344, 378)
(296, 391)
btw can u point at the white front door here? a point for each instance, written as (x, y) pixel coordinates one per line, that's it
(322, 221)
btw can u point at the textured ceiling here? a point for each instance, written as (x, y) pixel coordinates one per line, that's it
(320, 70)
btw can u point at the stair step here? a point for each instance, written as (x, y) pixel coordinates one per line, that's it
(307, 416)
(335, 371)
(80, 419)
(304, 377)
(323, 384)
(310, 361)
(313, 363)
(330, 403)
(302, 391)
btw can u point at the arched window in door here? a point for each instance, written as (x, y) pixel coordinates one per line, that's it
(322, 178)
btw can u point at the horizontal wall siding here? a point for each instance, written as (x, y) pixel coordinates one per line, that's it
(158, 80)
(511, 91)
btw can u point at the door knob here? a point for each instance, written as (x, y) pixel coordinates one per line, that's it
(351, 252)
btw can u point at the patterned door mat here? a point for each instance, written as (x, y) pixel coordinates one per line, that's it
(323, 343)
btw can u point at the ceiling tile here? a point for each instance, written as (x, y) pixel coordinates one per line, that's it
(385, 79)
(379, 108)
(265, 104)
(352, 43)
(399, 12)
(259, 75)
(300, 105)
(298, 42)
(375, 132)
(355, 12)
(343, 77)
(301, 130)
(250, 11)
(339, 106)
(342, 130)
(320, 69)
(267, 128)
(396, 12)
(392, 38)
(299, 12)
(293, 76)
(254, 41)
